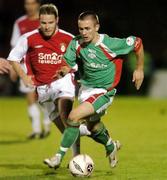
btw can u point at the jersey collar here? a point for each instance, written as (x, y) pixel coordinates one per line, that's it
(100, 40)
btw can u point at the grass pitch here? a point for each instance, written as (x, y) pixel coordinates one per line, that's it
(139, 123)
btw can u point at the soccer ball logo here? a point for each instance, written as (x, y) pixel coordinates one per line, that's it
(81, 165)
(90, 168)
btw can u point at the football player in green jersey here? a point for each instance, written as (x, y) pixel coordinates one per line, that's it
(100, 72)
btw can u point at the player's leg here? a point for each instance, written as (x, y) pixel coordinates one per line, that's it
(33, 110)
(34, 115)
(71, 133)
(64, 108)
(99, 132)
(52, 110)
(46, 122)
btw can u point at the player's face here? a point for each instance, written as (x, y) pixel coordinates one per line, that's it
(88, 29)
(31, 7)
(48, 24)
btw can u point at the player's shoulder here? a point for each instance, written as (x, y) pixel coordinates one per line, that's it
(31, 33)
(21, 19)
(65, 33)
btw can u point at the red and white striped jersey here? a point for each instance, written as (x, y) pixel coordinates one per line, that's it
(45, 55)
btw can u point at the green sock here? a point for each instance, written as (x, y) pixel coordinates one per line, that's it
(69, 137)
(102, 136)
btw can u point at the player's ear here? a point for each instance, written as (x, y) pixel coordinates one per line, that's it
(97, 27)
(57, 20)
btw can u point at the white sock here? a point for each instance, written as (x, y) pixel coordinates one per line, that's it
(34, 114)
(84, 130)
(46, 120)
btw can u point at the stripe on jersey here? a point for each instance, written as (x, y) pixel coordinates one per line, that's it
(108, 53)
(65, 32)
(94, 97)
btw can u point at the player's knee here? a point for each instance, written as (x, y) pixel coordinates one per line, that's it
(73, 117)
(72, 123)
(73, 120)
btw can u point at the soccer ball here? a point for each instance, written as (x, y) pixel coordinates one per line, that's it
(81, 165)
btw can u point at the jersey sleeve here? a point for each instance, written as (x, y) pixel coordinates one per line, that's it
(15, 34)
(124, 46)
(70, 55)
(20, 50)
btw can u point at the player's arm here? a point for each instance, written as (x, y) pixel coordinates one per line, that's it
(27, 79)
(138, 74)
(65, 69)
(13, 75)
(69, 62)
(15, 57)
(15, 35)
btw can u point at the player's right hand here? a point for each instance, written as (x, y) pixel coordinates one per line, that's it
(27, 80)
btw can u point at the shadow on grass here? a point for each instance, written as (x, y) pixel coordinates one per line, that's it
(22, 166)
(9, 138)
(14, 141)
(100, 174)
(45, 173)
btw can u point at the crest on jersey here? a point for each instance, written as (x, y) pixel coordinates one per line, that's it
(63, 47)
(129, 41)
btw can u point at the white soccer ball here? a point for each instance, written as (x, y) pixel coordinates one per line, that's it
(81, 165)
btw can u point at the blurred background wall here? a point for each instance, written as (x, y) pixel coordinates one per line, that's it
(146, 19)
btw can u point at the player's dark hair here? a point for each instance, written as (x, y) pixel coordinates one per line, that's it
(89, 14)
(38, 1)
(48, 9)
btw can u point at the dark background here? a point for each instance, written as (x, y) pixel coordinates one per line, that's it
(146, 19)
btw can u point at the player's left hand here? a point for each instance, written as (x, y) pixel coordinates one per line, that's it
(138, 77)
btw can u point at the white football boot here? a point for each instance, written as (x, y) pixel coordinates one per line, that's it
(112, 156)
(53, 162)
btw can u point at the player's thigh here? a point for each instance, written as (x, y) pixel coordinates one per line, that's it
(31, 97)
(51, 109)
(82, 111)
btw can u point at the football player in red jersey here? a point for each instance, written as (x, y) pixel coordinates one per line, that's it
(45, 47)
(22, 25)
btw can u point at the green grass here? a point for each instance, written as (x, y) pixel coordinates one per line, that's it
(139, 123)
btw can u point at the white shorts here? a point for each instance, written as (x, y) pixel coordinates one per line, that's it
(47, 94)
